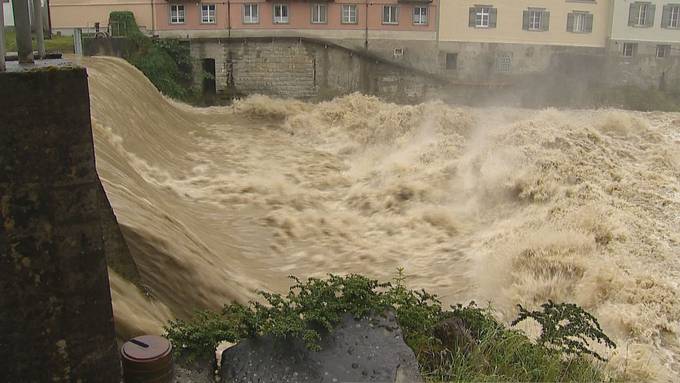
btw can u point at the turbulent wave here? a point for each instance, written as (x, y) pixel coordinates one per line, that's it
(501, 205)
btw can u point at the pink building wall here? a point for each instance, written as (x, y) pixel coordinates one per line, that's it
(229, 15)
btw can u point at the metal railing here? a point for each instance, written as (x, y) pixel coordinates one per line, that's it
(22, 27)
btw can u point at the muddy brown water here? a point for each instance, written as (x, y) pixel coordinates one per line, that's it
(498, 205)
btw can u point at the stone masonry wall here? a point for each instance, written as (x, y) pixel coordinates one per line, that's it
(56, 318)
(306, 69)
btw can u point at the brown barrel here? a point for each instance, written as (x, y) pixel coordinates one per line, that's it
(147, 359)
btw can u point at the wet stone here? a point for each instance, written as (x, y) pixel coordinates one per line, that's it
(338, 360)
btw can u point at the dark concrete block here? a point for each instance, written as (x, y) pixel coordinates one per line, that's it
(56, 319)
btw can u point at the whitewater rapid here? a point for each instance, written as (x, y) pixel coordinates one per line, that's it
(500, 205)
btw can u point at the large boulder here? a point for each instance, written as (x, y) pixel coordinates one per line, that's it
(366, 350)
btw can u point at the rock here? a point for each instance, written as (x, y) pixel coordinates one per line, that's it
(455, 335)
(199, 371)
(356, 351)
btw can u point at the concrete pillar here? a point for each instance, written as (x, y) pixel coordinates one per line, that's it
(2, 37)
(56, 319)
(78, 41)
(39, 33)
(22, 26)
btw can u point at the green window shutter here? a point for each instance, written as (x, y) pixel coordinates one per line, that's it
(570, 22)
(666, 16)
(493, 16)
(651, 13)
(633, 14)
(525, 20)
(473, 13)
(589, 23)
(545, 21)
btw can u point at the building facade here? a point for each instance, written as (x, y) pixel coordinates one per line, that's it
(69, 14)
(504, 37)
(399, 30)
(645, 28)
(644, 44)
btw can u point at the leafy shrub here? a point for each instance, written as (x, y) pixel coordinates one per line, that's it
(315, 306)
(165, 62)
(566, 327)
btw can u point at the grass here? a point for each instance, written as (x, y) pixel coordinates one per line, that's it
(63, 44)
(475, 348)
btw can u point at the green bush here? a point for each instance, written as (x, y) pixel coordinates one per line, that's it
(315, 306)
(165, 62)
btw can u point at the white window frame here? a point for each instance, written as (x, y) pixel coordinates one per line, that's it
(535, 19)
(627, 53)
(208, 14)
(579, 22)
(281, 19)
(349, 14)
(317, 14)
(665, 48)
(483, 17)
(248, 17)
(177, 14)
(674, 17)
(393, 14)
(642, 16)
(420, 17)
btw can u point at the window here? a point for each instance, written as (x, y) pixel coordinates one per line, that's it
(580, 22)
(319, 12)
(674, 21)
(663, 51)
(176, 14)
(482, 19)
(390, 14)
(280, 13)
(251, 14)
(504, 62)
(482, 16)
(536, 20)
(629, 49)
(451, 61)
(349, 14)
(207, 13)
(641, 14)
(420, 15)
(671, 16)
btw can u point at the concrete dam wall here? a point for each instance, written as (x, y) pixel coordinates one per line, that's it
(57, 230)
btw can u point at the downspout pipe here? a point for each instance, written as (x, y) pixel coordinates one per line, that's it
(366, 27)
(39, 32)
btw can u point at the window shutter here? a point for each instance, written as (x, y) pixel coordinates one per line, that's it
(545, 20)
(666, 16)
(651, 12)
(589, 23)
(473, 12)
(525, 20)
(570, 22)
(493, 13)
(633, 14)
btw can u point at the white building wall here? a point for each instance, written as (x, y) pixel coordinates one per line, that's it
(654, 33)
